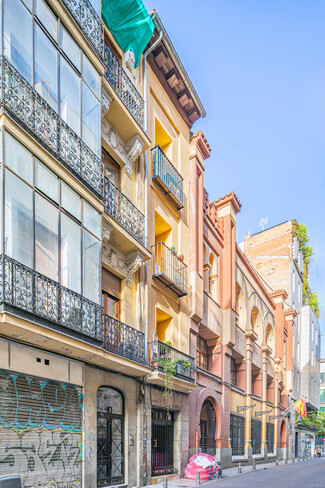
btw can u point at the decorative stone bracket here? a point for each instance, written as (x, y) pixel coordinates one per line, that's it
(106, 101)
(125, 265)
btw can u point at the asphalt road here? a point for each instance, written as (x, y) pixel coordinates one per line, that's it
(309, 474)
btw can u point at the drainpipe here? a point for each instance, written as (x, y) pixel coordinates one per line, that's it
(146, 187)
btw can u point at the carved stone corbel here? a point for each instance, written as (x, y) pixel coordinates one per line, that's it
(106, 101)
(133, 262)
(133, 148)
(106, 232)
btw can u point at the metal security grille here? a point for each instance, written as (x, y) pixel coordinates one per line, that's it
(270, 437)
(237, 435)
(162, 443)
(256, 431)
(40, 431)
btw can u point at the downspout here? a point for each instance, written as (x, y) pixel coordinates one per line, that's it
(146, 189)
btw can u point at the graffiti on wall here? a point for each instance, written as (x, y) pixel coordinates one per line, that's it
(41, 431)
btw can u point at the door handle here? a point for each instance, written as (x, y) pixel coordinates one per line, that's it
(154, 443)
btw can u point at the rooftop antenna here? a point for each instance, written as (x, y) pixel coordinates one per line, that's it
(263, 222)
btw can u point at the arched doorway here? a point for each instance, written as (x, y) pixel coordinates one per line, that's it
(208, 426)
(110, 433)
(283, 434)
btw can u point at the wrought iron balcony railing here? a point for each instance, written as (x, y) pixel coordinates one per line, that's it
(118, 206)
(30, 291)
(89, 22)
(169, 268)
(123, 86)
(123, 340)
(32, 112)
(167, 176)
(160, 354)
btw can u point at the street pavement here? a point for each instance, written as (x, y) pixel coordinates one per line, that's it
(306, 474)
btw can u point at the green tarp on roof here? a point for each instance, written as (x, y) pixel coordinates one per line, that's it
(130, 24)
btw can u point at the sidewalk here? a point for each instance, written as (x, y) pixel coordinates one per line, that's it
(226, 473)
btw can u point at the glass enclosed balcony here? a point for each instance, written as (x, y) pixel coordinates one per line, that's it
(35, 115)
(161, 353)
(89, 22)
(36, 295)
(169, 268)
(123, 340)
(123, 86)
(167, 177)
(118, 206)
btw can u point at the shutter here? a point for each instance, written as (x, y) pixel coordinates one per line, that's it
(40, 431)
(111, 283)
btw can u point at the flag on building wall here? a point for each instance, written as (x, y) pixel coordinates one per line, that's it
(300, 407)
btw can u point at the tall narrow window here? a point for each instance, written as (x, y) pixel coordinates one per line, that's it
(112, 169)
(46, 68)
(46, 237)
(70, 254)
(111, 285)
(91, 266)
(69, 95)
(202, 353)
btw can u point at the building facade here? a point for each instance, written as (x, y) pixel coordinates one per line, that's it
(238, 333)
(322, 386)
(275, 254)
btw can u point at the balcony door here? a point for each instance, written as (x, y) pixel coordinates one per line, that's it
(111, 169)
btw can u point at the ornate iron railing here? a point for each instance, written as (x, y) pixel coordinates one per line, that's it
(169, 268)
(118, 206)
(89, 22)
(167, 176)
(160, 354)
(36, 116)
(123, 86)
(30, 291)
(123, 340)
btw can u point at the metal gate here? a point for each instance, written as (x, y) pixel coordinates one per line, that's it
(256, 436)
(237, 435)
(208, 428)
(110, 434)
(270, 437)
(40, 431)
(162, 456)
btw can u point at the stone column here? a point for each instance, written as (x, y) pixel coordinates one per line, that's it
(277, 372)
(250, 338)
(265, 352)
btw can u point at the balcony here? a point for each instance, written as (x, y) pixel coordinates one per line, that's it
(118, 206)
(123, 340)
(89, 22)
(169, 269)
(36, 116)
(167, 177)
(123, 86)
(160, 353)
(36, 295)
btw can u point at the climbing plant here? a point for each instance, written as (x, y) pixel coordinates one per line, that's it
(309, 297)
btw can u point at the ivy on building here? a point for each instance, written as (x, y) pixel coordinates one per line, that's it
(309, 297)
(315, 421)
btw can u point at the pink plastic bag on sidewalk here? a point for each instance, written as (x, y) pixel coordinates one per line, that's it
(204, 463)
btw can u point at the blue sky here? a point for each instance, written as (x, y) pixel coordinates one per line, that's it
(259, 69)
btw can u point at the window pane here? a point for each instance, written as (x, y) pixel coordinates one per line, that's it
(70, 47)
(90, 75)
(46, 72)
(18, 37)
(46, 180)
(96, 5)
(18, 158)
(46, 237)
(69, 96)
(91, 218)
(70, 200)
(70, 254)
(91, 267)
(90, 119)
(18, 220)
(47, 17)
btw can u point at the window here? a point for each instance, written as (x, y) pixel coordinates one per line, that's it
(111, 294)
(322, 396)
(111, 168)
(270, 437)
(322, 378)
(202, 353)
(44, 227)
(18, 37)
(256, 433)
(56, 64)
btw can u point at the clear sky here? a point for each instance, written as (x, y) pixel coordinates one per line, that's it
(259, 69)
